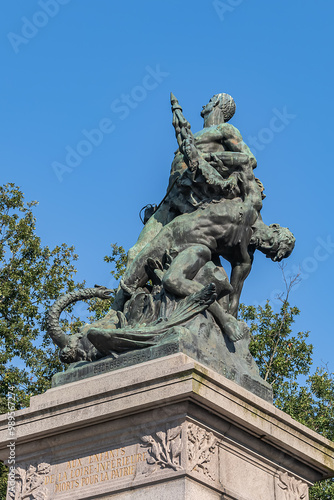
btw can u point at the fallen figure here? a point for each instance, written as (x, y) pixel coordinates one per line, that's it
(98, 342)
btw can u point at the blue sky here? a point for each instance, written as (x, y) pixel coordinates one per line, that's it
(86, 122)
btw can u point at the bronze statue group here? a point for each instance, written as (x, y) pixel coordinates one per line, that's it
(174, 273)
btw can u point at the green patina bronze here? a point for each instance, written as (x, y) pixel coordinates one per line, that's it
(175, 288)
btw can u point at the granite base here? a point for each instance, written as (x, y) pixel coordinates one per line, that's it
(164, 429)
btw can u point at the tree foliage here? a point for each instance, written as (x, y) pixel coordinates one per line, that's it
(279, 354)
(283, 357)
(32, 276)
(3, 481)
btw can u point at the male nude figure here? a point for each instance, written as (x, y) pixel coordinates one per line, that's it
(231, 228)
(205, 169)
(216, 143)
(195, 237)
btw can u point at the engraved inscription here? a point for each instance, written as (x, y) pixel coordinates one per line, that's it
(97, 468)
(107, 365)
(201, 448)
(294, 488)
(131, 359)
(164, 448)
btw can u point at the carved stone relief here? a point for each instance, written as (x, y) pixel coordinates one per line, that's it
(293, 488)
(29, 484)
(201, 449)
(164, 448)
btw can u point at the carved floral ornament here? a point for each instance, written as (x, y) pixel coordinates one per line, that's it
(201, 447)
(29, 483)
(164, 448)
(294, 488)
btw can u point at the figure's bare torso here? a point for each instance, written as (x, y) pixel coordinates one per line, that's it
(225, 223)
(219, 138)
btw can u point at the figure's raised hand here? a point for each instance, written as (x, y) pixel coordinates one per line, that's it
(231, 187)
(190, 152)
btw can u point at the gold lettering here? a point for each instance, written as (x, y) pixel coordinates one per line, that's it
(73, 463)
(66, 485)
(98, 457)
(49, 479)
(62, 477)
(94, 468)
(84, 481)
(102, 467)
(78, 472)
(92, 479)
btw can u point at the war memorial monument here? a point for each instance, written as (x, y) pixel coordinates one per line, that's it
(162, 399)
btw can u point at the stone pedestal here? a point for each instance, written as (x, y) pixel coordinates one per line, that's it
(167, 429)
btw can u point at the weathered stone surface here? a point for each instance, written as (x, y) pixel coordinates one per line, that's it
(180, 489)
(170, 428)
